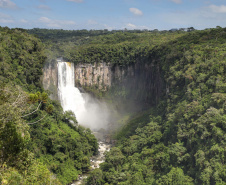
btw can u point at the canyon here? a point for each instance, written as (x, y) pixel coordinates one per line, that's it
(139, 82)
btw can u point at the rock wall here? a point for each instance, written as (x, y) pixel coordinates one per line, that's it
(97, 74)
(140, 82)
(50, 78)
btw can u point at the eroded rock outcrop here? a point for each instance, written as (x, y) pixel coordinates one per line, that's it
(97, 74)
(50, 78)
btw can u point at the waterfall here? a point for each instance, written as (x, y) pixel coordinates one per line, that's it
(70, 96)
(89, 111)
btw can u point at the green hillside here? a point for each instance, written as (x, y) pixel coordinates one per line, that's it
(179, 140)
(183, 139)
(39, 143)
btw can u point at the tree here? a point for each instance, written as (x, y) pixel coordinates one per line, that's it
(115, 157)
(95, 177)
(190, 29)
(175, 177)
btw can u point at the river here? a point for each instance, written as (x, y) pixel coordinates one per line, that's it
(95, 160)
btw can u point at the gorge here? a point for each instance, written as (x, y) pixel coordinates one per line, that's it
(140, 83)
(162, 93)
(89, 112)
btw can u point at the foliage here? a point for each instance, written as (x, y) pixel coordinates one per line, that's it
(116, 46)
(62, 145)
(182, 139)
(95, 177)
(17, 164)
(39, 143)
(21, 59)
(120, 48)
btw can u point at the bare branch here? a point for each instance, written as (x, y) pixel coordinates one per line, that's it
(27, 108)
(16, 99)
(33, 111)
(37, 121)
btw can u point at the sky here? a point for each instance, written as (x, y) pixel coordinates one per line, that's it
(112, 14)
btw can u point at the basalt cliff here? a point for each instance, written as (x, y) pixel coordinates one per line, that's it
(139, 82)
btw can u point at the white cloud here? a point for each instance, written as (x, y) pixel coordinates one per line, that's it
(44, 7)
(44, 19)
(23, 21)
(2, 15)
(199, 18)
(55, 23)
(217, 9)
(4, 18)
(131, 26)
(76, 1)
(7, 4)
(177, 1)
(92, 22)
(108, 27)
(136, 11)
(6, 21)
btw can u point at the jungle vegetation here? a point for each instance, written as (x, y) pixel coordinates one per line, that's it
(179, 140)
(39, 143)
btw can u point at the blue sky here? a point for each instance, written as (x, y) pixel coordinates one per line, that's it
(113, 14)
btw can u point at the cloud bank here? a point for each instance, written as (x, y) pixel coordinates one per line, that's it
(4, 18)
(177, 1)
(218, 9)
(7, 4)
(76, 1)
(44, 7)
(136, 11)
(55, 23)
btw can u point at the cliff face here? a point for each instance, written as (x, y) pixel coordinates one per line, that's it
(140, 81)
(50, 78)
(97, 74)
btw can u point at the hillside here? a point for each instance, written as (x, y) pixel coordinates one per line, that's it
(178, 138)
(182, 139)
(39, 143)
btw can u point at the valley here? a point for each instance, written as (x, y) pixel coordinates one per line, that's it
(154, 100)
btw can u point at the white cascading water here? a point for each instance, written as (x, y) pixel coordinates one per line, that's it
(70, 96)
(89, 111)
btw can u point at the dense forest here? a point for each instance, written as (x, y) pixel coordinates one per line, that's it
(180, 140)
(116, 46)
(39, 143)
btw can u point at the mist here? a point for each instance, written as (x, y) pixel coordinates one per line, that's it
(89, 111)
(97, 114)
